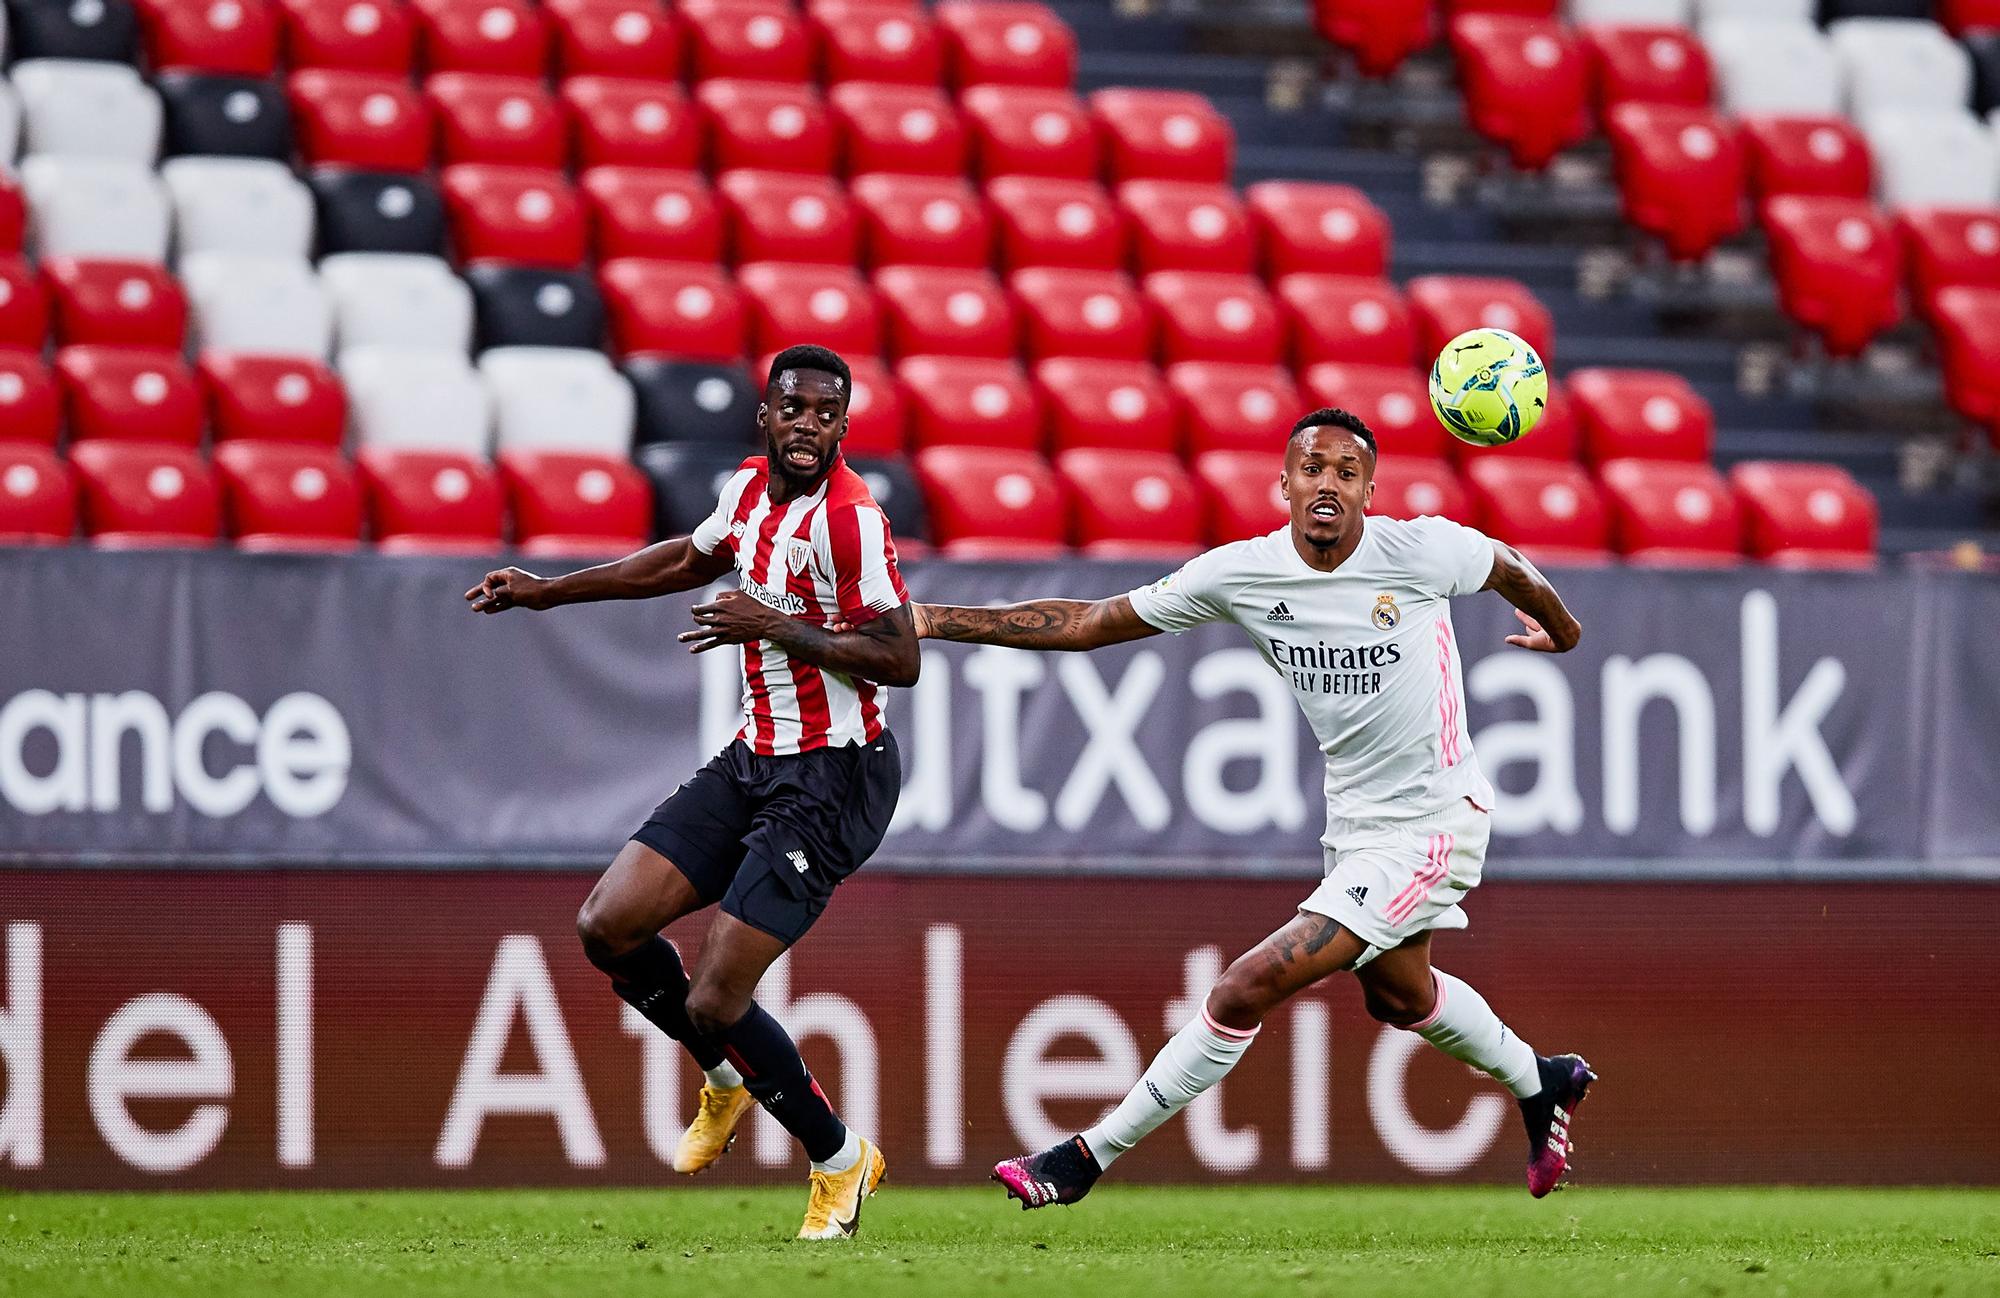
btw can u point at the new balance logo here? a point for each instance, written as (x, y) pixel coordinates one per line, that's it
(1357, 894)
(798, 860)
(1280, 614)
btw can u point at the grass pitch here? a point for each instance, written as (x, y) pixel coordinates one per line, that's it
(1126, 1240)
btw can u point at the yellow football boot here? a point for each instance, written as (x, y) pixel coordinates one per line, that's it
(834, 1209)
(713, 1130)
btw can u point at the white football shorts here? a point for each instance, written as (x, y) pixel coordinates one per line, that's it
(1389, 880)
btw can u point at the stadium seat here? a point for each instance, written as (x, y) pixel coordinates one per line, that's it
(24, 305)
(921, 221)
(899, 128)
(1680, 175)
(1330, 229)
(861, 40)
(383, 299)
(567, 504)
(288, 496)
(1239, 490)
(13, 213)
(135, 494)
(893, 484)
(1526, 84)
(1641, 414)
(1932, 158)
(125, 303)
(1380, 34)
(1558, 435)
(746, 38)
(503, 36)
(37, 496)
(1804, 155)
(272, 398)
(1205, 316)
(999, 42)
(136, 394)
(523, 306)
(1897, 63)
(1412, 486)
(360, 211)
(1030, 131)
(239, 205)
(30, 403)
(1182, 225)
(1962, 16)
(368, 121)
(775, 125)
(1445, 306)
(687, 479)
(692, 401)
(1948, 247)
(1352, 319)
(1130, 504)
(624, 121)
(1671, 513)
(1967, 324)
(1052, 221)
(416, 399)
(1090, 402)
(1225, 406)
(1394, 400)
(877, 415)
(785, 216)
(1805, 515)
(95, 207)
(828, 305)
(524, 215)
(615, 38)
(993, 502)
(106, 31)
(558, 399)
(224, 116)
(1068, 312)
(648, 212)
(486, 117)
(430, 502)
(1773, 67)
(1984, 47)
(350, 35)
(1163, 134)
(1550, 510)
(257, 303)
(1838, 268)
(230, 37)
(945, 311)
(968, 401)
(1646, 64)
(683, 309)
(79, 109)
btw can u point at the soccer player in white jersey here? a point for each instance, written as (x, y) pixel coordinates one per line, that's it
(1353, 612)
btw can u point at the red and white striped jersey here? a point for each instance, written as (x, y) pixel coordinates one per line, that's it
(820, 558)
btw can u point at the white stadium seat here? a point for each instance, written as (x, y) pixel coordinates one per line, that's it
(558, 399)
(398, 300)
(95, 207)
(416, 399)
(10, 126)
(1900, 63)
(1777, 11)
(1932, 158)
(1773, 67)
(81, 108)
(1653, 13)
(239, 205)
(272, 305)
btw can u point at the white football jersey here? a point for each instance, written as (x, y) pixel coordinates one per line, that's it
(1367, 648)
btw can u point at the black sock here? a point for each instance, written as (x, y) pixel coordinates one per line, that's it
(651, 980)
(775, 1074)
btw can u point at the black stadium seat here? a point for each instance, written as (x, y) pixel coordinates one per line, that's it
(366, 211)
(687, 478)
(1984, 47)
(83, 29)
(239, 117)
(895, 489)
(694, 401)
(522, 306)
(1835, 10)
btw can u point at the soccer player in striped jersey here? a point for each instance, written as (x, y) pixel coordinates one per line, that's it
(801, 797)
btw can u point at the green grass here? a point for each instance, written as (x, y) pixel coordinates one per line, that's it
(1127, 1240)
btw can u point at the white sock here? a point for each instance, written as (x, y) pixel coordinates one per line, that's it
(1465, 1027)
(723, 1075)
(849, 1155)
(1196, 1058)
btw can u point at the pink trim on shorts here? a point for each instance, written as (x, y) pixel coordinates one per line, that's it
(1435, 868)
(1233, 1034)
(1437, 1004)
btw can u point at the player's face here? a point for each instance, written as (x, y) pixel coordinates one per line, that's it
(804, 416)
(1329, 476)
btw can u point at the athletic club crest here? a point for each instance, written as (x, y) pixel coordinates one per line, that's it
(798, 555)
(1386, 614)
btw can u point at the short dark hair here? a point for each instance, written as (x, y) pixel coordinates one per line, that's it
(811, 356)
(1334, 417)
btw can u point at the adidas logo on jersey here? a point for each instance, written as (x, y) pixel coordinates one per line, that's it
(1357, 894)
(798, 860)
(1280, 614)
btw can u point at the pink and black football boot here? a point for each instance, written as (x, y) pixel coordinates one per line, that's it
(1549, 1115)
(1062, 1174)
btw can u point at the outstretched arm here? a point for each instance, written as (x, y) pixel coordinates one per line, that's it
(1549, 627)
(882, 649)
(660, 569)
(1070, 624)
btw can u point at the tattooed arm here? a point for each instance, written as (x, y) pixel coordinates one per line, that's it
(1550, 628)
(1070, 624)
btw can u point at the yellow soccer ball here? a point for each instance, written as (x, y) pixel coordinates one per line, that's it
(1488, 387)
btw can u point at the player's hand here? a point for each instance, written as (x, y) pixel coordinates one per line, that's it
(1536, 638)
(733, 618)
(508, 588)
(919, 619)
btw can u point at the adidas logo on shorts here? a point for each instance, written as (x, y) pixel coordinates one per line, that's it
(1357, 894)
(1280, 614)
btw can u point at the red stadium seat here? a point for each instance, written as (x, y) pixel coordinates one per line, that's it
(784, 216)
(998, 42)
(1445, 306)
(912, 129)
(1394, 400)
(1967, 321)
(1211, 317)
(1947, 247)
(966, 401)
(357, 35)
(1549, 509)
(1680, 175)
(877, 416)
(921, 221)
(615, 38)
(1068, 312)
(1672, 513)
(129, 303)
(629, 122)
(668, 308)
(1804, 155)
(1380, 34)
(1412, 486)
(992, 502)
(1641, 414)
(1128, 504)
(1961, 16)
(1805, 515)
(24, 305)
(505, 36)
(37, 496)
(1030, 131)
(1838, 267)
(13, 215)
(134, 394)
(145, 494)
(483, 117)
(524, 215)
(945, 311)
(272, 398)
(30, 403)
(1558, 435)
(369, 121)
(288, 496)
(224, 37)
(1181, 225)
(1051, 221)
(764, 39)
(1101, 403)
(829, 305)
(1239, 493)
(1351, 319)
(649, 212)
(565, 503)
(861, 40)
(1526, 83)
(1227, 407)
(1332, 229)
(1646, 65)
(431, 502)
(769, 124)
(1165, 135)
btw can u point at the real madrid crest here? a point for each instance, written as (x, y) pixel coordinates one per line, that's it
(1386, 614)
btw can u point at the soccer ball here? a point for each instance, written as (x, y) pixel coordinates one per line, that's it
(1488, 387)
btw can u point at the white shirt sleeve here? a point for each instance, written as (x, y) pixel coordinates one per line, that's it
(1185, 598)
(1452, 559)
(714, 530)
